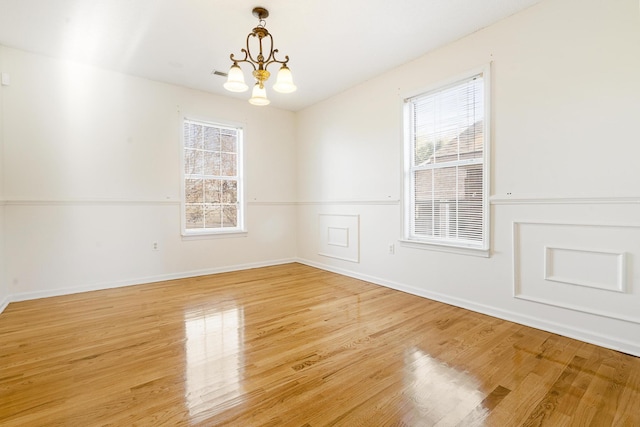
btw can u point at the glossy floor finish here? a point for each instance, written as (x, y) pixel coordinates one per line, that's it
(295, 346)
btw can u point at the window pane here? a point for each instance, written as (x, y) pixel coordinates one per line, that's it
(228, 138)
(213, 216)
(194, 216)
(211, 152)
(193, 137)
(228, 164)
(448, 123)
(229, 191)
(193, 191)
(229, 216)
(211, 138)
(212, 191)
(470, 210)
(212, 163)
(193, 162)
(448, 202)
(424, 149)
(446, 142)
(423, 209)
(471, 142)
(445, 184)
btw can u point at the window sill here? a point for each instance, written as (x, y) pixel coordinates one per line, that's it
(205, 235)
(461, 250)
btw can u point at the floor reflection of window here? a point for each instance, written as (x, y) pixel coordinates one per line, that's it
(214, 346)
(441, 395)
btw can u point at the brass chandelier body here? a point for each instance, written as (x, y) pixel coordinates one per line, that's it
(259, 63)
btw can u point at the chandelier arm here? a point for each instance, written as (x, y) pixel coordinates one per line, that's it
(272, 55)
(246, 59)
(260, 63)
(286, 59)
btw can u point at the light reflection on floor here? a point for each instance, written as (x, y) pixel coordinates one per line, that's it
(441, 395)
(214, 357)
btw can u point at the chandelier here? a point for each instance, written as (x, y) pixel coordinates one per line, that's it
(235, 79)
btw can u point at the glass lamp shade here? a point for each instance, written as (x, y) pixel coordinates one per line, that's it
(235, 80)
(259, 96)
(284, 81)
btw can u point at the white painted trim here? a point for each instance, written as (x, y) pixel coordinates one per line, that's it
(205, 235)
(335, 243)
(103, 202)
(453, 249)
(629, 347)
(515, 260)
(24, 296)
(578, 308)
(407, 168)
(271, 203)
(484, 69)
(621, 270)
(494, 200)
(625, 346)
(90, 202)
(4, 303)
(579, 224)
(356, 257)
(350, 202)
(517, 286)
(239, 127)
(546, 200)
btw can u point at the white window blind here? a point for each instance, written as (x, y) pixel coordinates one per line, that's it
(446, 179)
(212, 180)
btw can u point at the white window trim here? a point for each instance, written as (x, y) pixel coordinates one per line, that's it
(443, 246)
(210, 233)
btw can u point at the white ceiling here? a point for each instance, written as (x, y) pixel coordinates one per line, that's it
(333, 44)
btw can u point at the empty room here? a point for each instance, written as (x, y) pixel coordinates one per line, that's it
(287, 213)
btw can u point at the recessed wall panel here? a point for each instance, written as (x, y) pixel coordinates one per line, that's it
(593, 269)
(586, 267)
(339, 236)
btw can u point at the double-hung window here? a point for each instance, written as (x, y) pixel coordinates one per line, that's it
(446, 165)
(212, 172)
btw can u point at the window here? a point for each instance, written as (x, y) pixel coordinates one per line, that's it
(446, 152)
(212, 200)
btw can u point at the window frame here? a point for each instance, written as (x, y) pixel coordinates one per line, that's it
(408, 202)
(198, 233)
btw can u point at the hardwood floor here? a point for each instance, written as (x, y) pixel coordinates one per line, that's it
(295, 346)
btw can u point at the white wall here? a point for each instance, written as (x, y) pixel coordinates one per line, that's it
(90, 175)
(565, 104)
(92, 179)
(4, 290)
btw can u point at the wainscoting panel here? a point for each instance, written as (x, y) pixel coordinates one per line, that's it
(591, 268)
(594, 269)
(339, 236)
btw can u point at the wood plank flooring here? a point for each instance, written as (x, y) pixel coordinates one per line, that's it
(295, 346)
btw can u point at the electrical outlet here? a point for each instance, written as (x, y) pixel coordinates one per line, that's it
(154, 246)
(392, 249)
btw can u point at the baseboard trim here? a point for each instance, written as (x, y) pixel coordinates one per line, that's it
(571, 332)
(25, 296)
(556, 328)
(4, 303)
